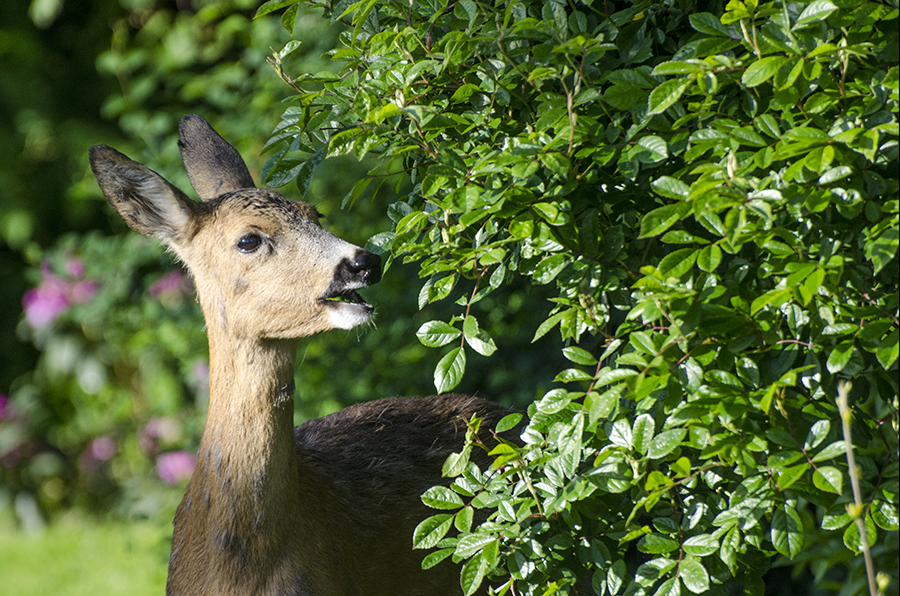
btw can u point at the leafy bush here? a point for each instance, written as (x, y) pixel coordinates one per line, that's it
(712, 197)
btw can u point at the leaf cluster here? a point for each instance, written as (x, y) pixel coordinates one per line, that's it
(713, 198)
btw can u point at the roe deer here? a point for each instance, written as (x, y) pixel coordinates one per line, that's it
(326, 508)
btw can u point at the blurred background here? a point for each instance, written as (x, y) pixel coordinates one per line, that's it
(103, 358)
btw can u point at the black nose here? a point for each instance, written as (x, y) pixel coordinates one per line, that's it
(365, 267)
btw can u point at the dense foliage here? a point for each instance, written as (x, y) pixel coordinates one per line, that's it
(111, 403)
(713, 197)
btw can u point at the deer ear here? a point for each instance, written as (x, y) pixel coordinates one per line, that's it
(214, 166)
(143, 198)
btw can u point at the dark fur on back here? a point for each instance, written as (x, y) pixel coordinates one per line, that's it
(377, 491)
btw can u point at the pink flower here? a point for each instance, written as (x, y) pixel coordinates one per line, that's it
(172, 286)
(98, 451)
(103, 448)
(156, 430)
(175, 467)
(201, 372)
(75, 268)
(83, 291)
(46, 302)
(54, 295)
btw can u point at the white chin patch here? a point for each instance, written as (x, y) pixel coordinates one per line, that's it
(347, 315)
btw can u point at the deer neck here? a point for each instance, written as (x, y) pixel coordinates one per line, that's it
(246, 475)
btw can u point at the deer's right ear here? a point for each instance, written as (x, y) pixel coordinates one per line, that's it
(147, 202)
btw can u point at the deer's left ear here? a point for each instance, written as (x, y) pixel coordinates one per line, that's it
(147, 202)
(212, 164)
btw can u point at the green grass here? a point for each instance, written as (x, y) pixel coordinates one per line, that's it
(79, 555)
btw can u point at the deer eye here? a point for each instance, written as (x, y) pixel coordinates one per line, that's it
(249, 243)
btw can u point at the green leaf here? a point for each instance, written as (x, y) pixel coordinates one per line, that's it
(884, 514)
(888, 350)
(694, 576)
(479, 339)
(441, 497)
(701, 546)
(306, 171)
(817, 433)
(615, 577)
(456, 463)
(831, 451)
(657, 544)
(551, 322)
(674, 67)
(579, 356)
(508, 422)
(671, 188)
(814, 12)
(767, 125)
(882, 249)
(762, 70)
(272, 6)
(659, 220)
(670, 587)
(432, 530)
(435, 334)
(464, 518)
(709, 258)
(642, 432)
(464, 92)
(436, 557)
(834, 174)
(839, 356)
(472, 574)
(449, 370)
(608, 376)
(704, 22)
(665, 443)
(828, 479)
(787, 531)
(649, 150)
(620, 434)
(553, 401)
(549, 267)
(775, 297)
(852, 539)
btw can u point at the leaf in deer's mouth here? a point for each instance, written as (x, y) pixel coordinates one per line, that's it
(346, 297)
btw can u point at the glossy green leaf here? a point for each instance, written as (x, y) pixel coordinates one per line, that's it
(787, 531)
(828, 479)
(435, 334)
(815, 12)
(760, 71)
(665, 442)
(441, 497)
(431, 530)
(659, 220)
(667, 94)
(449, 370)
(694, 575)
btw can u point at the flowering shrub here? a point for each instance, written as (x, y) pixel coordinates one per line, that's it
(55, 294)
(117, 384)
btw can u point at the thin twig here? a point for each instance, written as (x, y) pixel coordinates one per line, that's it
(859, 511)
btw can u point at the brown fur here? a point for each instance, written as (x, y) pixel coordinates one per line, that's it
(324, 509)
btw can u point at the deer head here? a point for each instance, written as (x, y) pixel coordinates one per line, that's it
(263, 266)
